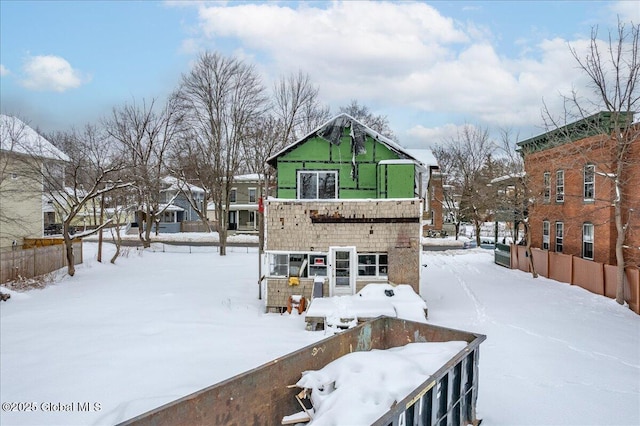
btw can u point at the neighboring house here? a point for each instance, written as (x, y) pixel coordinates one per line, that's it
(433, 195)
(243, 204)
(567, 172)
(511, 202)
(24, 155)
(175, 205)
(347, 212)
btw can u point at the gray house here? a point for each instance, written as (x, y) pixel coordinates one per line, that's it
(175, 206)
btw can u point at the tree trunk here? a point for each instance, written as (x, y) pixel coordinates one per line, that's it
(118, 245)
(476, 225)
(68, 245)
(532, 266)
(223, 240)
(620, 262)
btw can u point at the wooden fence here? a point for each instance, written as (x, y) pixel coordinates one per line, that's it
(196, 226)
(593, 276)
(35, 261)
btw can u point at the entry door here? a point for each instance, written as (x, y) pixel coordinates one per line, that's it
(233, 220)
(343, 271)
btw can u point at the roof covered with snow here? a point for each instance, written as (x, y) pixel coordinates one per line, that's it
(176, 184)
(250, 177)
(425, 156)
(332, 131)
(17, 137)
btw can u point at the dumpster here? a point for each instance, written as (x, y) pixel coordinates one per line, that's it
(264, 395)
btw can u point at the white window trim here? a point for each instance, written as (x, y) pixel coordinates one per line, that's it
(546, 234)
(559, 187)
(590, 241)
(592, 182)
(559, 240)
(299, 187)
(376, 264)
(236, 197)
(546, 187)
(255, 195)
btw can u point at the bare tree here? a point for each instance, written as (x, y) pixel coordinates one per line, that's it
(145, 134)
(612, 68)
(468, 168)
(296, 107)
(511, 196)
(378, 123)
(220, 98)
(89, 174)
(451, 189)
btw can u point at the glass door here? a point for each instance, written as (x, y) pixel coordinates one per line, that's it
(343, 271)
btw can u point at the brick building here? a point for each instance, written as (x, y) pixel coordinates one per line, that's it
(569, 174)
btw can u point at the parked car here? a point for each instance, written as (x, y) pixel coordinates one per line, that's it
(470, 244)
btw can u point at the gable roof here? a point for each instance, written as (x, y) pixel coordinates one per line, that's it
(17, 137)
(175, 184)
(332, 132)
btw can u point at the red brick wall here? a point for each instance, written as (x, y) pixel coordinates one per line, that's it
(435, 195)
(574, 210)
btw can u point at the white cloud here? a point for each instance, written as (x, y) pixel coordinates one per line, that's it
(51, 73)
(398, 54)
(430, 137)
(627, 10)
(4, 70)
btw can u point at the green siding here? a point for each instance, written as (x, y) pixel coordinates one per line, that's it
(318, 154)
(396, 181)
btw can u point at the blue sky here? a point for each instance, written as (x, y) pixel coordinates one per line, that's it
(430, 67)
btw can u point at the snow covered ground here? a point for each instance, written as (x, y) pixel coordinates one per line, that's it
(122, 339)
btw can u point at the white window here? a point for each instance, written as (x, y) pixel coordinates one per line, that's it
(587, 241)
(546, 229)
(317, 185)
(317, 265)
(279, 265)
(233, 195)
(559, 236)
(252, 195)
(373, 265)
(546, 190)
(560, 186)
(589, 182)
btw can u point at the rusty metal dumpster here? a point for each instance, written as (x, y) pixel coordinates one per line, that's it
(262, 397)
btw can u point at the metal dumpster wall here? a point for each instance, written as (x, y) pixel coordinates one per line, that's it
(261, 397)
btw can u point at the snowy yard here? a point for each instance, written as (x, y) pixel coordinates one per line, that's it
(157, 326)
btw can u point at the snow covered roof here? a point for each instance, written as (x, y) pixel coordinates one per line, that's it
(251, 177)
(508, 177)
(170, 208)
(17, 137)
(176, 184)
(332, 131)
(425, 156)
